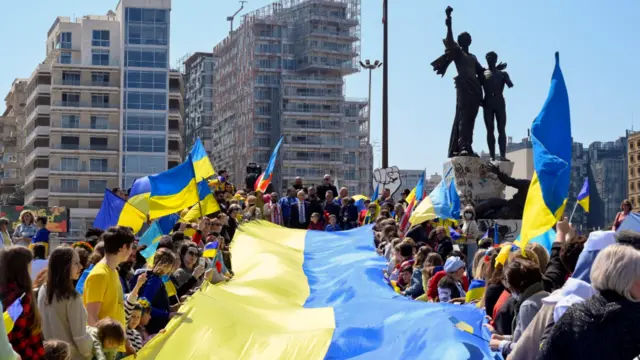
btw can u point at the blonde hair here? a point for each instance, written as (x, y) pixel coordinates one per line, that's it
(541, 253)
(616, 268)
(25, 212)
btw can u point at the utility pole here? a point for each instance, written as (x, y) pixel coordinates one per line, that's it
(385, 88)
(369, 66)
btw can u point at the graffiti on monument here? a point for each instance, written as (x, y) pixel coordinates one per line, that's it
(387, 178)
(508, 229)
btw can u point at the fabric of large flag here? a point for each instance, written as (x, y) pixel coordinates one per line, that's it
(139, 194)
(552, 149)
(173, 190)
(631, 222)
(314, 295)
(265, 178)
(116, 211)
(11, 315)
(583, 196)
(201, 163)
(443, 202)
(207, 205)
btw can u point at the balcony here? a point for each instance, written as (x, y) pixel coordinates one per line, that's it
(84, 104)
(60, 190)
(73, 126)
(80, 63)
(82, 168)
(83, 83)
(76, 147)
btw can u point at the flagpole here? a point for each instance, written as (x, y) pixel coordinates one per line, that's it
(573, 212)
(196, 185)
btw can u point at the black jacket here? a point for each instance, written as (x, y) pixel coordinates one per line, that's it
(606, 326)
(294, 220)
(321, 191)
(556, 274)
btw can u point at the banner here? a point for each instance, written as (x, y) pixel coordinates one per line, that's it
(58, 216)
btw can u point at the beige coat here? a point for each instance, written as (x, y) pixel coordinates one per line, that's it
(528, 346)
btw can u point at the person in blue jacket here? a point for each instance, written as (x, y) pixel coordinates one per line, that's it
(155, 290)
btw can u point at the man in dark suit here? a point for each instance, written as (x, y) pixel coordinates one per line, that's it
(326, 186)
(300, 214)
(330, 205)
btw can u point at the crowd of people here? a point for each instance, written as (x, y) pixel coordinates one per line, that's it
(101, 298)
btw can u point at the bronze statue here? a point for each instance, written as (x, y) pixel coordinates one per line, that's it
(498, 208)
(493, 82)
(468, 88)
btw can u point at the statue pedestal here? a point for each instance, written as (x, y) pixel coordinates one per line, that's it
(474, 182)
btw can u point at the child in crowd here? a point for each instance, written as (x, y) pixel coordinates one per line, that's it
(42, 235)
(405, 277)
(448, 289)
(333, 224)
(133, 312)
(145, 316)
(315, 223)
(108, 336)
(403, 256)
(431, 266)
(56, 350)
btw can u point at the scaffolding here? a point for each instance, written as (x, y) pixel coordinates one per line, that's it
(281, 73)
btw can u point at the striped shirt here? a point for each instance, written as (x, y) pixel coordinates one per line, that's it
(134, 337)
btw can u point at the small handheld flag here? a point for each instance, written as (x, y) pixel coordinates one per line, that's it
(210, 250)
(583, 196)
(12, 314)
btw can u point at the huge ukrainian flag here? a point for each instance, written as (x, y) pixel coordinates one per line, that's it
(313, 295)
(552, 147)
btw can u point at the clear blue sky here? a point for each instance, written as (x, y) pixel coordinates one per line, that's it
(597, 41)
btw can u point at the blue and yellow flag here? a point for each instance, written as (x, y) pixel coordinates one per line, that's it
(583, 196)
(313, 295)
(151, 237)
(139, 194)
(264, 179)
(116, 211)
(12, 314)
(443, 202)
(207, 205)
(210, 250)
(173, 190)
(552, 148)
(201, 162)
(476, 290)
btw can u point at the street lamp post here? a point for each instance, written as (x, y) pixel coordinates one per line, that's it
(369, 66)
(385, 87)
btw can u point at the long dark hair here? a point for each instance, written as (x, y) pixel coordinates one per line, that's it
(59, 283)
(14, 269)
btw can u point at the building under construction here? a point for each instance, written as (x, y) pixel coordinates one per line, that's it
(282, 73)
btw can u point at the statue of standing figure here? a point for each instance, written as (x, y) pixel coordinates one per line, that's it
(494, 106)
(469, 82)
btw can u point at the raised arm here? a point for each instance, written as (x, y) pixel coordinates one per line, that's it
(449, 41)
(507, 80)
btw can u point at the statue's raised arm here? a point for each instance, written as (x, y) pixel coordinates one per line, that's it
(449, 41)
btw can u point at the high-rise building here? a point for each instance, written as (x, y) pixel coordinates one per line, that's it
(281, 73)
(12, 139)
(103, 108)
(633, 158)
(198, 99)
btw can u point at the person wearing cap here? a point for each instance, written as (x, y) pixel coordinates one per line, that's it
(454, 266)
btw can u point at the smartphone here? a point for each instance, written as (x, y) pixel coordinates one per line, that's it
(202, 261)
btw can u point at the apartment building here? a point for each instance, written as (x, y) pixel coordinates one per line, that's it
(11, 139)
(198, 101)
(281, 73)
(103, 108)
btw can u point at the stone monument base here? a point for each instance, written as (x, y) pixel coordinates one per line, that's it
(474, 182)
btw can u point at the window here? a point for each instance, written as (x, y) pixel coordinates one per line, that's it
(70, 78)
(143, 164)
(146, 100)
(64, 40)
(70, 121)
(100, 78)
(100, 38)
(152, 58)
(145, 79)
(145, 122)
(145, 143)
(146, 26)
(70, 99)
(97, 186)
(69, 164)
(100, 57)
(98, 143)
(65, 57)
(99, 122)
(70, 142)
(69, 185)
(100, 100)
(98, 165)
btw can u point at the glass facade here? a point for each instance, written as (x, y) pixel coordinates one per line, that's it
(146, 93)
(100, 38)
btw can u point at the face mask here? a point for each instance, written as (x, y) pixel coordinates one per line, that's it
(165, 278)
(467, 216)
